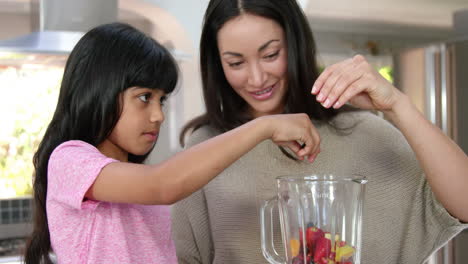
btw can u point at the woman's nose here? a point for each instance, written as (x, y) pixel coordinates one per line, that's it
(256, 75)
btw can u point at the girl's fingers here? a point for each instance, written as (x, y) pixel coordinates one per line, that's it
(311, 158)
(292, 145)
(316, 138)
(296, 148)
(300, 136)
(311, 145)
(306, 149)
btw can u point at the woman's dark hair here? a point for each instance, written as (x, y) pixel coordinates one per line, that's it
(222, 103)
(105, 62)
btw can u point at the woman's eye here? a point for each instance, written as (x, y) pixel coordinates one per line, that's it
(235, 64)
(271, 56)
(145, 97)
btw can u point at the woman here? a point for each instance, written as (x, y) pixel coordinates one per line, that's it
(258, 57)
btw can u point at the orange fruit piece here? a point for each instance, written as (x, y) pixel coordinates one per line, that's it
(294, 244)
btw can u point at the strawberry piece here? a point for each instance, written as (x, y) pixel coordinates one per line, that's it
(312, 235)
(322, 250)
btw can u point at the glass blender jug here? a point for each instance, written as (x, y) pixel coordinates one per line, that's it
(320, 219)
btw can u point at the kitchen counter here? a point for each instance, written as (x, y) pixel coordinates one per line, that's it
(11, 260)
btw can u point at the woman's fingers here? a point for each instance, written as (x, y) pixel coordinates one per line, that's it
(351, 92)
(323, 77)
(356, 81)
(327, 80)
(336, 79)
(344, 83)
(328, 84)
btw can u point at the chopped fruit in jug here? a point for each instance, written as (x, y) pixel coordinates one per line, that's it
(344, 252)
(312, 235)
(320, 249)
(295, 245)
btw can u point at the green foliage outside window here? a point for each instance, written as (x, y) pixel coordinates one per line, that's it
(387, 73)
(28, 96)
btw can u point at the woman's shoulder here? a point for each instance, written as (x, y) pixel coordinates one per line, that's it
(365, 122)
(374, 129)
(376, 138)
(201, 134)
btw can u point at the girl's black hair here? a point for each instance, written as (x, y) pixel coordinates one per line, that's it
(222, 103)
(105, 62)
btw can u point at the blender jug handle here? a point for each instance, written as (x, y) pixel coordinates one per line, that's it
(266, 224)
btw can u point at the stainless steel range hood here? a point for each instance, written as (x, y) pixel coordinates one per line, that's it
(59, 24)
(54, 42)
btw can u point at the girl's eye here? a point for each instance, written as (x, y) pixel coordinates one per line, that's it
(145, 97)
(162, 101)
(272, 56)
(235, 64)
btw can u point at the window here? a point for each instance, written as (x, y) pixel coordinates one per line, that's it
(29, 87)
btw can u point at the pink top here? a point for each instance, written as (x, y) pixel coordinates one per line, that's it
(87, 231)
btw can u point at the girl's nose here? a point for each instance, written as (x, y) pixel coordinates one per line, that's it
(157, 114)
(257, 76)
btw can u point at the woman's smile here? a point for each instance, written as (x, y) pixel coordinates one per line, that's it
(265, 93)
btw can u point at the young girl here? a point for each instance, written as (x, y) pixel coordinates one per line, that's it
(95, 201)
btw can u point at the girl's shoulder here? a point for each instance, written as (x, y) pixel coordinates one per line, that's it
(72, 147)
(76, 152)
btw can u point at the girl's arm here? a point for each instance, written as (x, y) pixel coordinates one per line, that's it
(443, 162)
(189, 170)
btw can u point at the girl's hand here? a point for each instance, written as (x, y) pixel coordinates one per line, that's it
(296, 132)
(357, 82)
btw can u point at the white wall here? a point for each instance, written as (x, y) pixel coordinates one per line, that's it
(14, 24)
(434, 13)
(189, 13)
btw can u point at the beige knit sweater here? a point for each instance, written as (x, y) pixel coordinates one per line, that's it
(402, 223)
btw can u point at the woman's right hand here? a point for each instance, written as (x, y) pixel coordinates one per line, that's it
(296, 132)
